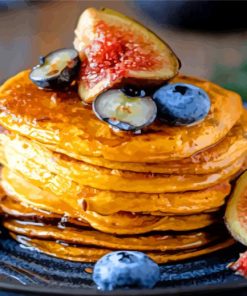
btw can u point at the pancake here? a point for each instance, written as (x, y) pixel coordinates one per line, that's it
(76, 189)
(77, 236)
(89, 254)
(225, 153)
(216, 157)
(60, 120)
(14, 208)
(120, 223)
(62, 175)
(106, 203)
(123, 224)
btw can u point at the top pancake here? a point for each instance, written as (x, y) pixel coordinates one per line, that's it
(60, 120)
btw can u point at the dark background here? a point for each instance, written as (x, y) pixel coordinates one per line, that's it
(210, 37)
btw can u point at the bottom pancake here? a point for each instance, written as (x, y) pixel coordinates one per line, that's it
(162, 241)
(120, 223)
(90, 254)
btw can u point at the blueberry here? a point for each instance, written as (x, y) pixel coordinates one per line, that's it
(181, 103)
(134, 91)
(124, 112)
(57, 70)
(125, 269)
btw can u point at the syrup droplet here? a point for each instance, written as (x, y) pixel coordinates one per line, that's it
(88, 270)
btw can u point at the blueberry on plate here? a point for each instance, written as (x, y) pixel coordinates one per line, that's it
(125, 112)
(125, 269)
(56, 70)
(181, 103)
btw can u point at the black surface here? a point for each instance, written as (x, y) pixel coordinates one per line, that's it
(28, 271)
(204, 15)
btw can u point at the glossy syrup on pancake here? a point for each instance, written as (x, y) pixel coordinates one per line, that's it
(221, 155)
(61, 177)
(110, 202)
(209, 160)
(120, 223)
(90, 254)
(61, 120)
(151, 241)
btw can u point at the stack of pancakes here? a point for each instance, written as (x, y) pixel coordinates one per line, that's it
(77, 189)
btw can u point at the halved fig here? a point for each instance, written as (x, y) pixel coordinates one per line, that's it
(56, 70)
(236, 210)
(115, 48)
(124, 112)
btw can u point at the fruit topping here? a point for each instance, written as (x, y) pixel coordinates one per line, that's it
(181, 103)
(124, 112)
(236, 210)
(134, 91)
(114, 48)
(56, 70)
(125, 269)
(240, 266)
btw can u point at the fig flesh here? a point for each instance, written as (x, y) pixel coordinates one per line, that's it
(114, 48)
(236, 211)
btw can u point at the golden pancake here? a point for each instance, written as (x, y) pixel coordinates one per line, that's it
(112, 202)
(216, 157)
(62, 175)
(150, 242)
(120, 223)
(15, 209)
(60, 119)
(89, 254)
(127, 224)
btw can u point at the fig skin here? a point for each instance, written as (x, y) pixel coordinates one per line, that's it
(236, 210)
(165, 63)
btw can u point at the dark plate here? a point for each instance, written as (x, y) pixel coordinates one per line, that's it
(25, 271)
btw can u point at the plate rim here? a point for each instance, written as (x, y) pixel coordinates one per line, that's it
(182, 290)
